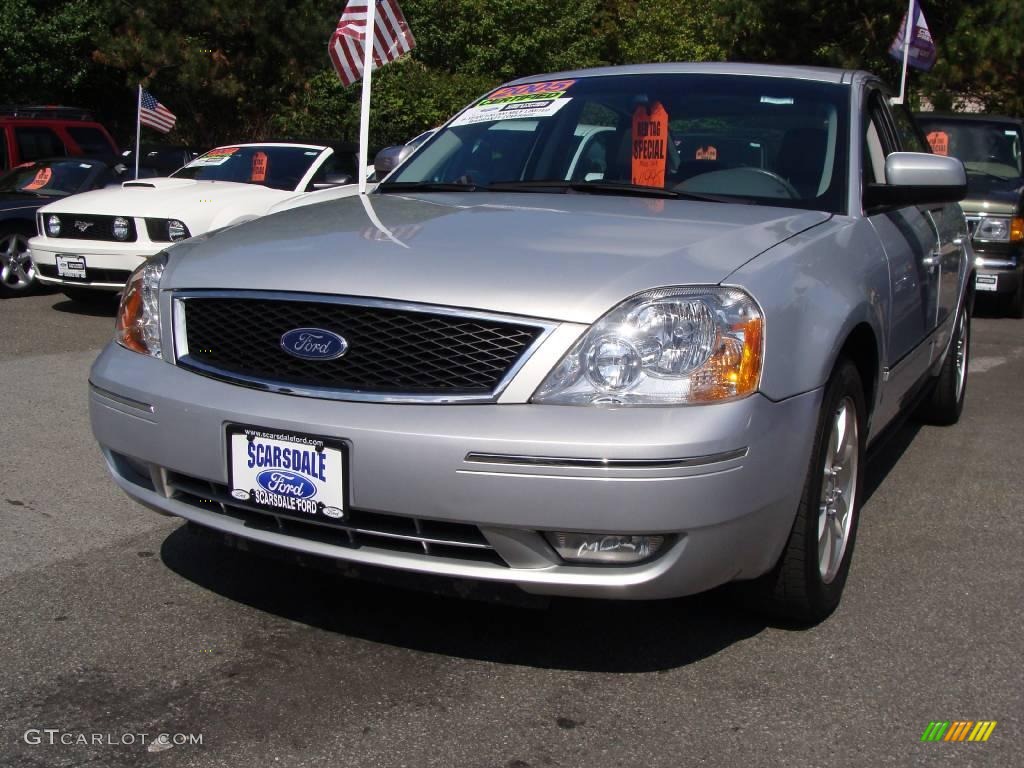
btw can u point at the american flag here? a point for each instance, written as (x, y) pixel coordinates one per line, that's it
(391, 38)
(154, 114)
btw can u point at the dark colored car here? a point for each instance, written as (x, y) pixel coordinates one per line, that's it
(158, 159)
(30, 186)
(991, 149)
(32, 133)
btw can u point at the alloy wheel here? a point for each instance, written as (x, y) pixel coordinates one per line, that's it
(17, 272)
(838, 488)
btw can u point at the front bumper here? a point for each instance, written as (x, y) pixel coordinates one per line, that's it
(727, 511)
(999, 270)
(107, 264)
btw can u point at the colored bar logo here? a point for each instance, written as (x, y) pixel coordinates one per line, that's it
(958, 730)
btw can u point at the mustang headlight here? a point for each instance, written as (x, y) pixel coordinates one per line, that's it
(671, 346)
(176, 230)
(138, 317)
(53, 225)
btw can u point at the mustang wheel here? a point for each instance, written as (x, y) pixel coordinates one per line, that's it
(946, 401)
(808, 580)
(17, 272)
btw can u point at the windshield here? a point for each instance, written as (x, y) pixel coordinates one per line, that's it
(771, 141)
(992, 148)
(57, 178)
(267, 165)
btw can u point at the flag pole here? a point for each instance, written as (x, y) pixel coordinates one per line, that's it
(138, 130)
(907, 30)
(364, 109)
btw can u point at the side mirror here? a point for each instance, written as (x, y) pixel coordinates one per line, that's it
(390, 158)
(917, 178)
(333, 180)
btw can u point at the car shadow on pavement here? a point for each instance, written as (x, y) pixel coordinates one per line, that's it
(886, 454)
(590, 635)
(92, 309)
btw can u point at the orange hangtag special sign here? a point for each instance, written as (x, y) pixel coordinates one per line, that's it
(940, 142)
(650, 145)
(710, 152)
(43, 176)
(259, 167)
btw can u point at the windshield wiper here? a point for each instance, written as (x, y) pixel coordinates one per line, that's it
(427, 186)
(606, 188)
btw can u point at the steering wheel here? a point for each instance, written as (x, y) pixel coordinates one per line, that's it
(759, 182)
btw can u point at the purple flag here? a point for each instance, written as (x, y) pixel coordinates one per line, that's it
(922, 49)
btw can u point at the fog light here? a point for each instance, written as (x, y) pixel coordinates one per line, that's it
(604, 547)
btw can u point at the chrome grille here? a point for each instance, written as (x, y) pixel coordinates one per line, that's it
(358, 529)
(395, 351)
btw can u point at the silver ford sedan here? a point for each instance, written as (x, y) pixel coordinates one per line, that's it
(617, 333)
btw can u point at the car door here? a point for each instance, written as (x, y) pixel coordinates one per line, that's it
(910, 240)
(949, 260)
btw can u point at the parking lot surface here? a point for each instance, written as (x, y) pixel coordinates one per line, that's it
(120, 624)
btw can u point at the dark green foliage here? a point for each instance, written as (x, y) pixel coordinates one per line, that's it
(248, 69)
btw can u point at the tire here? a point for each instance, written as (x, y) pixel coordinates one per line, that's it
(90, 296)
(807, 583)
(946, 400)
(1015, 303)
(17, 272)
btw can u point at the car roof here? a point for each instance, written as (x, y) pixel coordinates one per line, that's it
(819, 74)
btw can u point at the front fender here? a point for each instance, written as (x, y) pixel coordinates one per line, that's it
(815, 289)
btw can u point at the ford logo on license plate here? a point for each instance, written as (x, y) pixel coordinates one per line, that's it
(314, 344)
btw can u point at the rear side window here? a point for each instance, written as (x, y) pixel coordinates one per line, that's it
(92, 141)
(34, 143)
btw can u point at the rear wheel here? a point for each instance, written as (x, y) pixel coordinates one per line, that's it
(17, 272)
(946, 401)
(808, 580)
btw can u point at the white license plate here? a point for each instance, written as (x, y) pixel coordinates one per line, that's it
(71, 266)
(986, 282)
(296, 475)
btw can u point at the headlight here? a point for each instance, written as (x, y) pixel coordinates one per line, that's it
(138, 317)
(120, 228)
(1000, 229)
(176, 230)
(671, 346)
(53, 226)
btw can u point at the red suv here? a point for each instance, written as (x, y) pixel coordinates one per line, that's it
(31, 133)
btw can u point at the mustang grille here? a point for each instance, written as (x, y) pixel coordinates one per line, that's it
(391, 351)
(93, 227)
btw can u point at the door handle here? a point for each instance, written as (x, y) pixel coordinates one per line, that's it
(932, 260)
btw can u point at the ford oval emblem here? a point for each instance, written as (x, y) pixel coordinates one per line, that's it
(314, 344)
(289, 484)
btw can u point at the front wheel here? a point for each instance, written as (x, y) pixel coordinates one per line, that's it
(946, 401)
(808, 580)
(17, 272)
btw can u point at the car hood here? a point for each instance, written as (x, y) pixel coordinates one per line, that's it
(988, 195)
(167, 197)
(13, 201)
(560, 256)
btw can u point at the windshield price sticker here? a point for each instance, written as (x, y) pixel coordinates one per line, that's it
(552, 89)
(293, 474)
(939, 141)
(217, 156)
(43, 176)
(483, 113)
(650, 145)
(259, 167)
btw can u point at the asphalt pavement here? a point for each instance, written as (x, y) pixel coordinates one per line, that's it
(117, 624)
